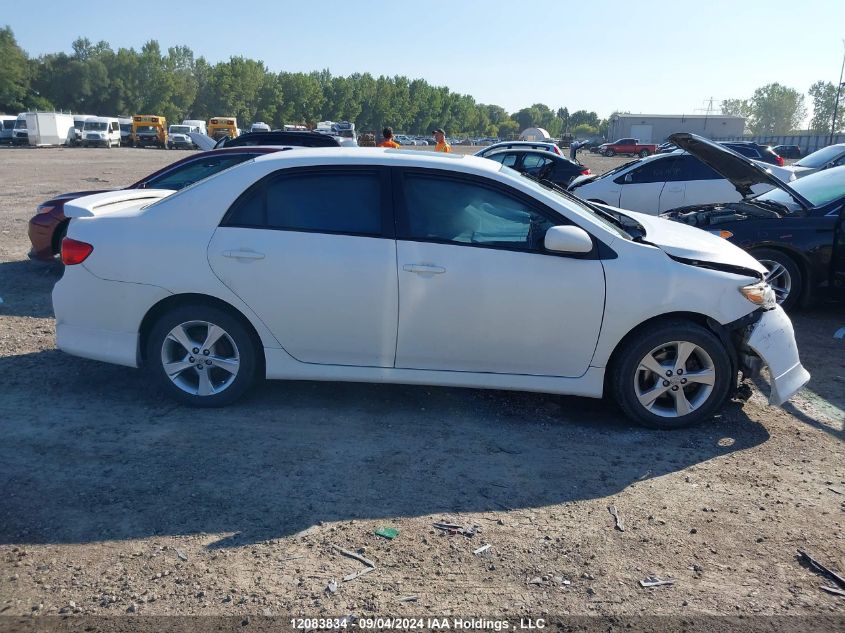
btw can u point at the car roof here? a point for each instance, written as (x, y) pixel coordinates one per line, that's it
(280, 137)
(383, 156)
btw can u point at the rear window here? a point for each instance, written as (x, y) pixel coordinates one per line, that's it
(328, 202)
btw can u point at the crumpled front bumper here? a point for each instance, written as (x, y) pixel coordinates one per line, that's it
(773, 340)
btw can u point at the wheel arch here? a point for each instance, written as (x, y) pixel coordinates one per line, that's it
(694, 317)
(174, 301)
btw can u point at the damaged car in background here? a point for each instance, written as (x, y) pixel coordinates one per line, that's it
(371, 265)
(795, 230)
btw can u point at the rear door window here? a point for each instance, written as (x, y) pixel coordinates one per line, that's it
(657, 170)
(686, 168)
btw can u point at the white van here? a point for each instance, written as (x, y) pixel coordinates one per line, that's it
(125, 130)
(178, 136)
(78, 123)
(196, 123)
(259, 126)
(19, 134)
(7, 124)
(101, 131)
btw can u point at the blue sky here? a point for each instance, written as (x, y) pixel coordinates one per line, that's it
(644, 56)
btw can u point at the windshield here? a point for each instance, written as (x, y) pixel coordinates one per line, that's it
(821, 157)
(20, 124)
(145, 129)
(179, 129)
(608, 221)
(95, 125)
(819, 188)
(8, 124)
(125, 127)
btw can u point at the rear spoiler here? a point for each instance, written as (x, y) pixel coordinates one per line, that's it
(112, 201)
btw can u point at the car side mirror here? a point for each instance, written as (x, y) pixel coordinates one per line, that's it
(629, 178)
(568, 239)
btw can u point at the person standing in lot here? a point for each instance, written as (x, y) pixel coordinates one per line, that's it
(388, 141)
(442, 145)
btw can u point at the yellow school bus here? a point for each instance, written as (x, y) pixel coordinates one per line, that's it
(149, 129)
(221, 126)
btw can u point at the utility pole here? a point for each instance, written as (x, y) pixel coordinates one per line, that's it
(836, 103)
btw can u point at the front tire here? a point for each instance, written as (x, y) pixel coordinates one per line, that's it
(784, 276)
(609, 153)
(671, 375)
(202, 356)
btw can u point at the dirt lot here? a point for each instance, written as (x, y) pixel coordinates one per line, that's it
(113, 500)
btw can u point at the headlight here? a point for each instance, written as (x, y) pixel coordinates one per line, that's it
(760, 294)
(44, 208)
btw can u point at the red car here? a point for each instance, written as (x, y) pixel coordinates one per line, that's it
(48, 226)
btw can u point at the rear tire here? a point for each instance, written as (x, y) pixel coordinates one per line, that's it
(671, 375)
(644, 153)
(784, 276)
(202, 356)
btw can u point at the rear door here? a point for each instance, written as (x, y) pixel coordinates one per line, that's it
(311, 251)
(689, 181)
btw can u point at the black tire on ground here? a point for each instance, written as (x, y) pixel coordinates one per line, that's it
(789, 294)
(627, 375)
(609, 153)
(245, 350)
(644, 153)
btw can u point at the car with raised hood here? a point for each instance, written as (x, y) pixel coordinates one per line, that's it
(795, 230)
(663, 182)
(825, 158)
(546, 146)
(48, 226)
(372, 265)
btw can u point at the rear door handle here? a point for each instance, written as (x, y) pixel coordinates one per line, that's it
(423, 269)
(242, 254)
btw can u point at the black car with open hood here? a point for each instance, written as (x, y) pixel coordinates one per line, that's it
(795, 229)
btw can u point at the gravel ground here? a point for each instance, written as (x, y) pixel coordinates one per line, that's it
(115, 501)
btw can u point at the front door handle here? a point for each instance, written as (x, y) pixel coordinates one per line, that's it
(424, 269)
(243, 254)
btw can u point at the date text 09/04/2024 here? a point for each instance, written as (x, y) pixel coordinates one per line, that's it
(411, 623)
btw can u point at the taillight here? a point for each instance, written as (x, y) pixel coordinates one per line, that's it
(75, 252)
(779, 161)
(586, 172)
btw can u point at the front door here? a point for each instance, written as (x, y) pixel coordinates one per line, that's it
(312, 253)
(477, 291)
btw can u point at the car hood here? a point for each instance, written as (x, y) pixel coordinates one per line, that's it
(742, 173)
(690, 244)
(203, 141)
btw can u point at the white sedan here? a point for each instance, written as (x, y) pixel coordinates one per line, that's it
(664, 182)
(385, 266)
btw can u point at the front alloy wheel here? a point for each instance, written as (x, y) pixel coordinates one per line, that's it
(671, 374)
(202, 355)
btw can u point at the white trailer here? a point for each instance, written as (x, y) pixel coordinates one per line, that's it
(49, 128)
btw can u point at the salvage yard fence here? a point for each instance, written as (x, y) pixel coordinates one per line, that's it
(807, 142)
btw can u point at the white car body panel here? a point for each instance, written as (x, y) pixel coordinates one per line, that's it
(452, 319)
(286, 277)
(154, 245)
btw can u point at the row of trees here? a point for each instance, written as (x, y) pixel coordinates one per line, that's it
(96, 79)
(778, 109)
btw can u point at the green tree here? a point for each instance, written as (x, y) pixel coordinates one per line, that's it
(14, 73)
(736, 107)
(583, 117)
(584, 130)
(776, 109)
(823, 94)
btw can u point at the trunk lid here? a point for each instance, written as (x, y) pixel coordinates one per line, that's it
(113, 202)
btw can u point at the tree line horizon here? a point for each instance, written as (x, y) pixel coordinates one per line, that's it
(95, 79)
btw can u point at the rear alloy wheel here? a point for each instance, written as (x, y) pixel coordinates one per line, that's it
(783, 276)
(202, 356)
(671, 376)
